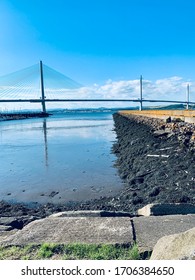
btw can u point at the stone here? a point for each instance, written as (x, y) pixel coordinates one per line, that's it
(7, 221)
(5, 228)
(176, 120)
(168, 120)
(95, 230)
(179, 246)
(159, 133)
(16, 222)
(166, 209)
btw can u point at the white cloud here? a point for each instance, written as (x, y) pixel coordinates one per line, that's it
(173, 88)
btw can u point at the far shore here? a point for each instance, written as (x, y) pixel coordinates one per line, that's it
(21, 116)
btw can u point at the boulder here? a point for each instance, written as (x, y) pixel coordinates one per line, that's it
(179, 246)
(166, 209)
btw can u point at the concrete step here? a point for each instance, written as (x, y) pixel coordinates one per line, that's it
(148, 230)
(74, 230)
(92, 228)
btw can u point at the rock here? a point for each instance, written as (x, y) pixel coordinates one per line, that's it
(5, 228)
(170, 134)
(159, 133)
(175, 247)
(176, 120)
(12, 222)
(155, 191)
(16, 222)
(53, 193)
(7, 221)
(137, 180)
(168, 130)
(166, 209)
(168, 120)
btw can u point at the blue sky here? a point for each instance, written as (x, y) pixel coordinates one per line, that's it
(102, 42)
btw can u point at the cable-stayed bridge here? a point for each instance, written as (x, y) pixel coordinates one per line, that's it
(37, 83)
(41, 84)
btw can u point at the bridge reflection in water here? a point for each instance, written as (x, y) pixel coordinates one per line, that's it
(69, 154)
(45, 141)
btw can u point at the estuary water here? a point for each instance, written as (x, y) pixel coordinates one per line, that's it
(66, 157)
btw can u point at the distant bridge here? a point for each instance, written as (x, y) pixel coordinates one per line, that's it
(95, 100)
(19, 83)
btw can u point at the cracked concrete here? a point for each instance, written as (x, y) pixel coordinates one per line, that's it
(89, 227)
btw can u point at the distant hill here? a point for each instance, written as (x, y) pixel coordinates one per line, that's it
(102, 109)
(170, 107)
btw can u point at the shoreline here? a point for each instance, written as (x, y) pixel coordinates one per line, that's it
(156, 159)
(155, 168)
(22, 116)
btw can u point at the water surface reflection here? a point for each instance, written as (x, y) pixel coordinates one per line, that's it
(57, 159)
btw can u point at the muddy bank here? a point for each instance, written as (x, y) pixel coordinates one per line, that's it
(156, 161)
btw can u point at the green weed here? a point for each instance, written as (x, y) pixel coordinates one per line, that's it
(70, 252)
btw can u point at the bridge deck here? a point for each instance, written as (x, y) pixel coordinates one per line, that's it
(94, 100)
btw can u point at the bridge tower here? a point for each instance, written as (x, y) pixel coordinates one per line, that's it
(141, 87)
(188, 97)
(42, 88)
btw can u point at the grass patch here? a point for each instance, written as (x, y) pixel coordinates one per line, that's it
(70, 252)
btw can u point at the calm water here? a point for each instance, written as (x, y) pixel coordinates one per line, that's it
(61, 158)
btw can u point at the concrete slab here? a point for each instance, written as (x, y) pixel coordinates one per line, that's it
(160, 209)
(66, 230)
(92, 213)
(148, 230)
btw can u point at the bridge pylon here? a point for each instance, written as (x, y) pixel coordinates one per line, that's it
(42, 88)
(141, 93)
